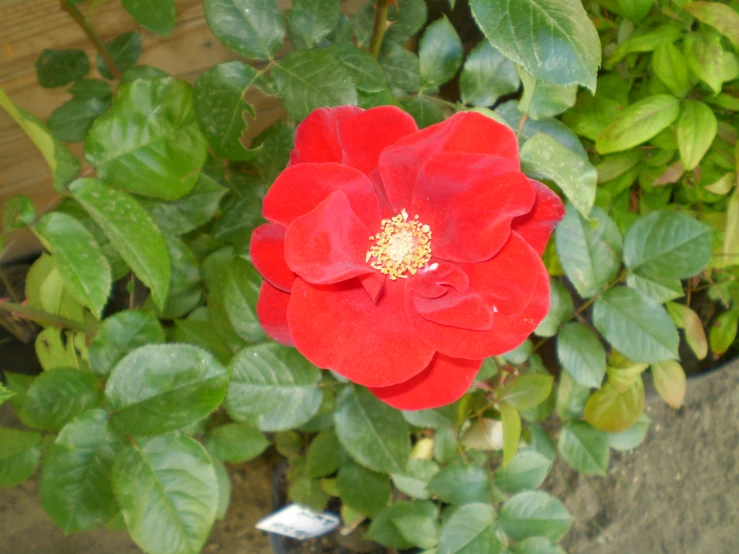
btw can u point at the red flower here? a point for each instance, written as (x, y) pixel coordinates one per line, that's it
(401, 258)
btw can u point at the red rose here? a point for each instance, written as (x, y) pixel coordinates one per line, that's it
(402, 258)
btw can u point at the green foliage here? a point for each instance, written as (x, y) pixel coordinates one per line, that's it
(252, 28)
(155, 16)
(57, 68)
(125, 51)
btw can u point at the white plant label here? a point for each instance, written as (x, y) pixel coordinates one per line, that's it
(299, 522)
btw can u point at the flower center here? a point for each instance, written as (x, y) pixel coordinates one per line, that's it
(401, 246)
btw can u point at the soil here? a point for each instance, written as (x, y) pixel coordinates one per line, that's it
(678, 493)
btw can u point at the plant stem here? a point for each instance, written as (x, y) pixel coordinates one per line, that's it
(39, 316)
(93, 37)
(383, 6)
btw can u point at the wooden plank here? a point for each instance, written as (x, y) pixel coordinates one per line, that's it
(27, 27)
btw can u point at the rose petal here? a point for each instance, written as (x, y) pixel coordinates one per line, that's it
(338, 327)
(444, 381)
(438, 277)
(300, 188)
(469, 201)
(272, 313)
(329, 244)
(536, 226)
(468, 132)
(507, 332)
(365, 135)
(467, 310)
(316, 138)
(267, 253)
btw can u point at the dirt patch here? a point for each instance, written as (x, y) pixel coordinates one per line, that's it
(678, 493)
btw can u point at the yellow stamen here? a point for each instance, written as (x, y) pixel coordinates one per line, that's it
(401, 246)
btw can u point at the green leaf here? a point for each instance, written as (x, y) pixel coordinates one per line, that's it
(57, 68)
(184, 285)
(252, 28)
(573, 173)
(224, 490)
(313, 20)
(19, 384)
(526, 471)
(5, 394)
(75, 481)
(235, 442)
(636, 10)
(383, 529)
(708, 60)
(58, 396)
(612, 411)
(276, 142)
(325, 455)
(79, 260)
(671, 67)
(695, 335)
(373, 433)
(581, 354)
(571, 398)
(584, 448)
(130, 230)
(424, 110)
(363, 490)
(696, 129)
(63, 165)
(199, 331)
(241, 291)
(669, 380)
(272, 386)
(120, 334)
(125, 51)
(84, 89)
(308, 492)
(414, 482)
(168, 492)
(462, 484)
(667, 245)
(72, 120)
(486, 76)
(638, 123)
(20, 453)
(723, 332)
(590, 253)
(636, 325)
(536, 545)
(435, 418)
(552, 39)
(401, 67)
(189, 212)
(719, 16)
(407, 17)
(532, 514)
(310, 79)
(560, 310)
(364, 70)
(18, 212)
(221, 109)
(660, 290)
(541, 100)
(218, 317)
(149, 142)
(419, 523)
(440, 53)
(511, 421)
(645, 41)
(470, 530)
(632, 437)
(141, 72)
(156, 16)
(527, 391)
(160, 388)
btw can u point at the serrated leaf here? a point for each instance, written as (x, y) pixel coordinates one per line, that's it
(84, 89)
(156, 16)
(120, 334)
(57, 68)
(581, 354)
(310, 79)
(313, 20)
(365, 71)
(130, 230)
(241, 291)
(486, 76)
(669, 380)
(168, 492)
(584, 448)
(661, 290)
(383, 529)
(75, 481)
(185, 290)
(425, 111)
(78, 258)
(56, 397)
(612, 411)
(407, 17)
(462, 484)
(695, 335)
(552, 39)
(543, 100)
(252, 28)
(161, 388)
(560, 310)
(574, 174)
(638, 123)
(419, 525)
(373, 433)
(470, 530)
(72, 120)
(635, 325)
(325, 455)
(527, 391)
(632, 437)
(224, 490)
(125, 51)
(526, 471)
(589, 252)
(534, 513)
(696, 129)
(414, 482)
(363, 490)
(401, 68)
(235, 442)
(149, 142)
(571, 398)
(272, 386)
(20, 453)
(440, 53)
